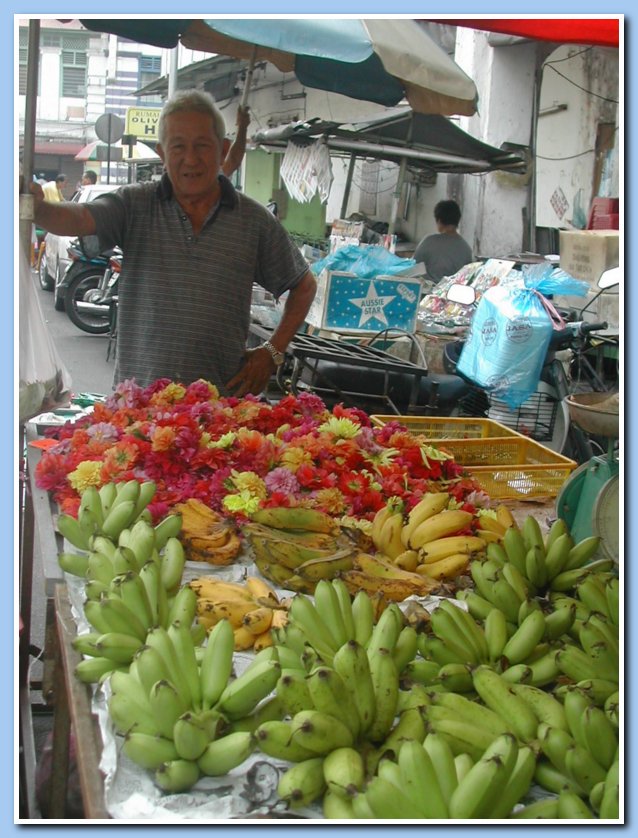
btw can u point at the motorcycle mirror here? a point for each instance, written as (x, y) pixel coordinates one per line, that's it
(609, 278)
(463, 294)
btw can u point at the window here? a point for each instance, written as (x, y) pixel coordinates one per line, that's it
(150, 68)
(74, 66)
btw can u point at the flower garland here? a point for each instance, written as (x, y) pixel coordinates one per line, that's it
(237, 455)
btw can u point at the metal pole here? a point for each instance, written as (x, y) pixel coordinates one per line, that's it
(31, 106)
(249, 79)
(346, 191)
(108, 150)
(172, 72)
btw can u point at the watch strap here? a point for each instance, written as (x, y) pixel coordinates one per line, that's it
(277, 356)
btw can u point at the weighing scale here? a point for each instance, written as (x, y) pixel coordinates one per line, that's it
(589, 500)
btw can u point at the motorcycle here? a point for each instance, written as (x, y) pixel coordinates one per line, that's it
(545, 415)
(89, 287)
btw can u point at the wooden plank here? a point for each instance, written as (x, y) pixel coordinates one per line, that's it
(88, 742)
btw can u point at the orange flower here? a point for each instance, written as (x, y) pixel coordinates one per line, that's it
(162, 438)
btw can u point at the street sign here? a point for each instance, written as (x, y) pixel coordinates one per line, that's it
(143, 122)
(109, 128)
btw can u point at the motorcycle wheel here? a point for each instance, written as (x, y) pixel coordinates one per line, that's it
(44, 277)
(89, 317)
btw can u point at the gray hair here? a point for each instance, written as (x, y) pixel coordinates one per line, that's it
(191, 100)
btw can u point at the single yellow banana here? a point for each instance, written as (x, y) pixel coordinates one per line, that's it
(390, 543)
(504, 516)
(258, 621)
(429, 505)
(442, 524)
(260, 589)
(448, 568)
(441, 548)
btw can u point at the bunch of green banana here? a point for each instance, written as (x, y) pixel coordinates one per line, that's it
(181, 712)
(547, 563)
(106, 511)
(428, 782)
(578, 753)
(594, 664)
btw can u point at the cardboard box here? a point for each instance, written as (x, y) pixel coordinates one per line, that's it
(585, 254)
(346, 303)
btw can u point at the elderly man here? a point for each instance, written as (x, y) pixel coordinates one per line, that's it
(193, 249)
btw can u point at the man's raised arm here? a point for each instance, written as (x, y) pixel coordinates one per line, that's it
(63, 219)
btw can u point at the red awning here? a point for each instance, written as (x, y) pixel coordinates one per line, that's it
(604, 32)
(58, 148)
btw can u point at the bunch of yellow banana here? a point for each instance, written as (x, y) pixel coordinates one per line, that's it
(428, 541)
(206, 535)
(252, 609)
(378, 576)
(297, 559)
(176, 705)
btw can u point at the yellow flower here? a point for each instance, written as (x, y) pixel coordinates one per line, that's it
(86, 474)
(169, 395)
(224, 441)
(162, 438)
(331, 500)
(242, 502)
(249, 482)
(292, 458)
(344, 428)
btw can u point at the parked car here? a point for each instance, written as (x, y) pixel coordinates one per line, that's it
(55, 259)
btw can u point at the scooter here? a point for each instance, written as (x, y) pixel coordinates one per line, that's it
(89, 286)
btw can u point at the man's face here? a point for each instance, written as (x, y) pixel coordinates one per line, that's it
(192, 154)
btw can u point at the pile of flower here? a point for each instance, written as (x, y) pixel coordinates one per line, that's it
(237, 455)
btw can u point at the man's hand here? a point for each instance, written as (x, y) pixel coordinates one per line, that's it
(242, 119)
(255, 374)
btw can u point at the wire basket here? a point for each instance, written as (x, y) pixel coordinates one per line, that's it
(506, 464)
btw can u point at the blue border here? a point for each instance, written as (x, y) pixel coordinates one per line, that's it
(7, 458)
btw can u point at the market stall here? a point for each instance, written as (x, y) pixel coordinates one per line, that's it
(277, 548)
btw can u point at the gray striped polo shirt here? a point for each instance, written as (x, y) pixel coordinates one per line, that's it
(184, 299)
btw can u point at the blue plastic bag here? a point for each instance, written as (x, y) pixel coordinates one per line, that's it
(510, 333)
(364, 260)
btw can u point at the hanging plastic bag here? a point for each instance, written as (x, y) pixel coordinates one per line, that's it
(364, 260)
(510, 333)
(44, 380)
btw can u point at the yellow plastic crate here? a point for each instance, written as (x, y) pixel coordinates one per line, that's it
(506, 464)
(447, 427)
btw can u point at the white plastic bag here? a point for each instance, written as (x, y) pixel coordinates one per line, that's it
(44, 380)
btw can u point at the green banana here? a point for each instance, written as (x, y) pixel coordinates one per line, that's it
(345, 604)
(344, 772)
(515, 548)
(166, 706)
(129, 714)
(583, 768)
(148, 751)
(292, 689)
(388, 801)
(520, 645)
(149, 667)
(117, 647)
(405, 648)
(119, 618)
(572, 807)
(582, 552)
(107, 493)
(227, 752)
(330, 695)
(498, 696)
(295, 518)
(411, 726)
(303, 613)
(557, 555)
(352, 663)
(182, 640)
(471, 630)
(85, 644)
(517, 785)
(183, 608)
(442, 760)
(158, 639)
(99, 568)
(76, 564)
(241, 696)
(172, 561)
(496, 633)
(177, 775)
(132, 592)
(191, 736)
(302, 783)
(559, 621)
(478, 606)
(274, 738)
(461, 736)
(532, 534)
(420, 781)
(118, 518)
(168, 527)
(319, 732)
(456, 678)
(386, 631)
(471, 712)
(145, 495)
(385, 683)
(329, 610)
(337, 808)
(543, 704)
(478, 791)
(462, 764)
(69, 527)
(610, 803)
(544, 809)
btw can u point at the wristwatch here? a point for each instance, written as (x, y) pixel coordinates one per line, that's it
(277, 356)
